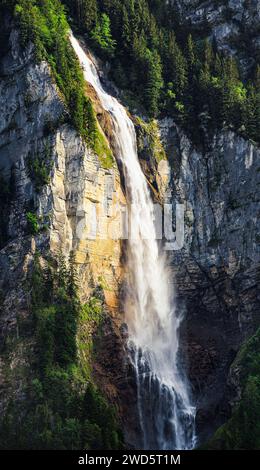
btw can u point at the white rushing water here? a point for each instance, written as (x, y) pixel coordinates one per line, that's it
(164, 407)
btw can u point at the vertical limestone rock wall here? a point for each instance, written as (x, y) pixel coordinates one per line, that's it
(84, 199)
(217, 271)
(75, 210)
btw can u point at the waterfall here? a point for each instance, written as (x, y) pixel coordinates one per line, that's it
(165, 411)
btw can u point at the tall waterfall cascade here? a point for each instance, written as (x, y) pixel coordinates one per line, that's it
(166, 414)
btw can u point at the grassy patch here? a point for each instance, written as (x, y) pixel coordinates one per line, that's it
(104, 153)
(150, 132)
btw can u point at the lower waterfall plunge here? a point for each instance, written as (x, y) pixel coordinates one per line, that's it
(167, 417)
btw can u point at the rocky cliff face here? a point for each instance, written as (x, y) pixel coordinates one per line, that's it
(217, 271)
(233, 24)
(75, 209)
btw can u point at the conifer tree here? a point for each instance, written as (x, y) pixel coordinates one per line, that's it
(252, 114)
(126, 29)
(154, 82)
(198, 81)
(62, 272)
(72, 287)
(101, 35)
(191, 55)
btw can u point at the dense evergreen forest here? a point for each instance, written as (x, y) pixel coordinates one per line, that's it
(167, 70)
(161, 67)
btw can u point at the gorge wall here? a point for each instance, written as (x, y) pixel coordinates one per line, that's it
(80, 197)
(217, 271)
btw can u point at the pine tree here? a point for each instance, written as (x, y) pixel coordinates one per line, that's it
(175, 65)
(252, 114)
(154, 82)
(89, 14)
(127, 34)
(232, 90)
(72, 287)
(101, 35)
(62, 272)
(38, 288)
(191, 55)
(208, 57)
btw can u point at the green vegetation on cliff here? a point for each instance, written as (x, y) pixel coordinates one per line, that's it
(158, 64)
(61, 408)
(32, 223)
(242, 430)
(44, 23)
(149, 133)
(166, 70)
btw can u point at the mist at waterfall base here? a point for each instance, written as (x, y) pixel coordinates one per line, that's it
(166, 414)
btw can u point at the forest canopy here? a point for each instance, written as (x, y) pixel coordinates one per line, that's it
(162, 67)
(166, 69)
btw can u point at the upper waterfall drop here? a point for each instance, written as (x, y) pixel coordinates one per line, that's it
(167, 417)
